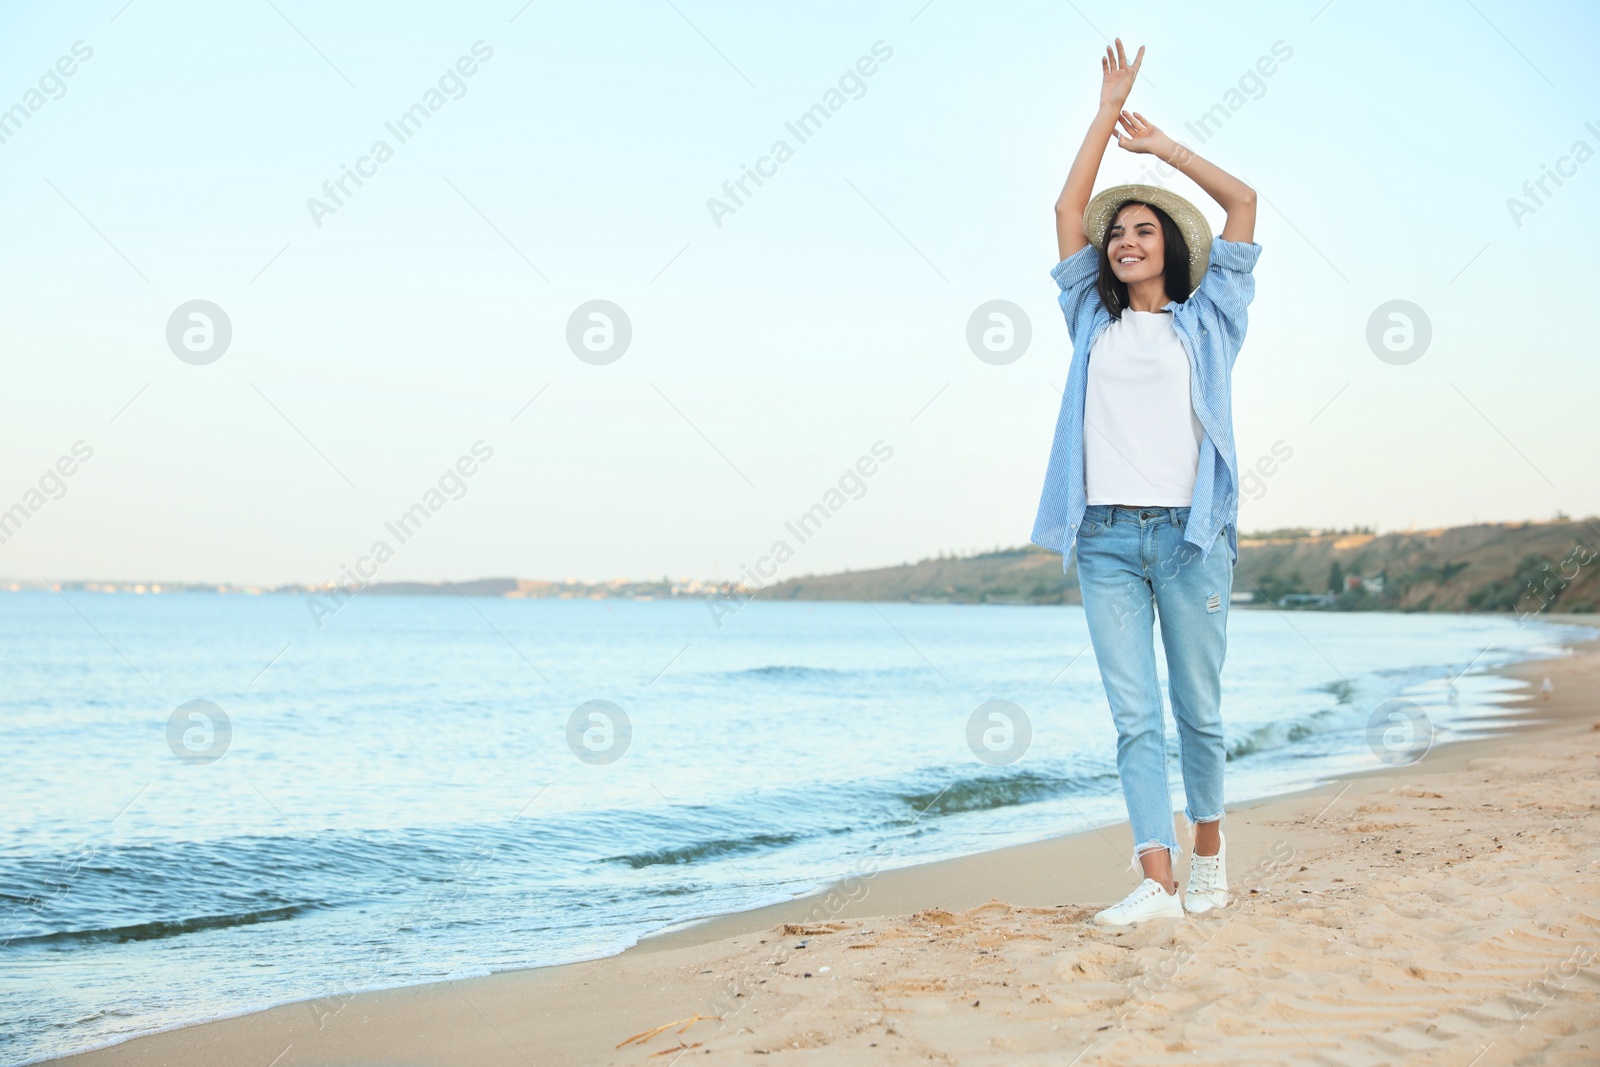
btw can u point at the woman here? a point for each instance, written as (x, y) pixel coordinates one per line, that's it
(1143, 477)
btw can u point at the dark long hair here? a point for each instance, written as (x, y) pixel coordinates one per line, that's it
(1114, 291)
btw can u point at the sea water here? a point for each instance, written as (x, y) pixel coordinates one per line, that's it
(431, 787)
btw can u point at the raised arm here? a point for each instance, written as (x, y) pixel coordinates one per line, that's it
(1236, 198)
(1116, 82)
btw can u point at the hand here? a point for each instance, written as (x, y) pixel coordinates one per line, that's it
(1143, 137)
(1117, 76)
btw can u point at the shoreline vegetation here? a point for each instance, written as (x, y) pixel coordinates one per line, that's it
(1518, 567)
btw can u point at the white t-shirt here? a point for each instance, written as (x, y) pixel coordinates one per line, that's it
(1141, 437)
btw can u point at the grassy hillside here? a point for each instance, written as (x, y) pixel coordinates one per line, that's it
(1491, 567)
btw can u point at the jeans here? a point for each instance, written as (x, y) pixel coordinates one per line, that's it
(1133, 566)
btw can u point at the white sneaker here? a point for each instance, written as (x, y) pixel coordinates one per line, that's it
(1149, 901)
(1208, 881)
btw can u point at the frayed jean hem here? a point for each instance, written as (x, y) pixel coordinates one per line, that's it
(1174, 852)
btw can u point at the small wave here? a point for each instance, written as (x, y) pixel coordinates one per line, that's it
(150, 931)
(704, 849)
(1273, 735)
(1343, 690)
(783, 672)
(1001, 791)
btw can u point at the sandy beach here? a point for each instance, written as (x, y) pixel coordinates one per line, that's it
(1442, 912)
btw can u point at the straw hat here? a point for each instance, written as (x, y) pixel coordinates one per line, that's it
(1097, 218)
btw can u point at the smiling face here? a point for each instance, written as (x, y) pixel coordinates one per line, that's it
(1136, 247)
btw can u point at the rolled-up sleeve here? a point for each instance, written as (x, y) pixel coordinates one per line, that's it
(1226, 290)
(1229, 284)
(1076, 276)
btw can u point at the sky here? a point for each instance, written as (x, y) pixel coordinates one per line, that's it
(387, 339)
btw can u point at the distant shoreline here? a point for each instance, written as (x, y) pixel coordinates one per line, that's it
(1504, 567)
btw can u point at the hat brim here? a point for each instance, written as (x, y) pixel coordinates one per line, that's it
(1097, 218)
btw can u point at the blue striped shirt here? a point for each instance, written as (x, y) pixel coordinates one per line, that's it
(1211, 326)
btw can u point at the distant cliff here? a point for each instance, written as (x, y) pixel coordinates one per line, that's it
(1520, 567)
